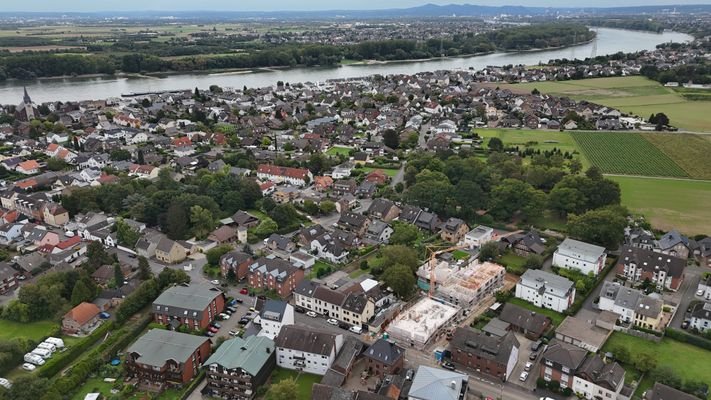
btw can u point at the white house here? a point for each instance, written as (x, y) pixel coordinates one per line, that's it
(306, 350)
(276, 174)
(351, 307)
(596, 379)
(585, 257)
(478, 236)
(273, 316)
(701, 316)
(546, 290)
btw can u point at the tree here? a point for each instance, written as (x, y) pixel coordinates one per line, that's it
(621, 354)
(402, 255)
(400, 279)
(575, 166)
(286, 389)
(645, 362)
(81, 293)
(140, 157)
(126, 235)
(391, 139)
(666, 375)
(311, 208)
(327, 207)
(285, 215)
(97, 255)
(535, 92)
(495, 144)
(213, 255)
(169, 276)
(604, 227)
(489, 251)
(202, 221)
(177, 221)
(594, 173)
(56, 164)
(118, 275)
(533, 262)
(404, 233)
(265, 228)
(144, 269)
(120, 155)
(513, 196)
(564, 201)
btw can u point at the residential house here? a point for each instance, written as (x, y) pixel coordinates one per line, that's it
(344, 186)
(525, 244)
(576, 255)
(438, 384)
(453, 230)
(281, 243)
(638, 265)
(478, 236)
(352, 222)
(632, 306)
(546, 290)
(243, 219)
(29, 167)
(223, 235)
(307, 350)
(239, 367)
(596, 379)
(491, 355)
(379, 232)
(236, 261)
(586, 334)
(293, 176)
(384, 358)
(81, 319)
(352, 305)
(274, 274)
(54, 214)
(8, 278)
(661, 391)
(274, 315)
(105, 274)
(194, 305)
(169, 251)
(674, 244)
(530, 323)
(162, 359)
(700, 316)
(383, 209)
(560, 362)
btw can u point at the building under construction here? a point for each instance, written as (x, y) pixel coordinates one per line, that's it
(470, 286)
(421, 322)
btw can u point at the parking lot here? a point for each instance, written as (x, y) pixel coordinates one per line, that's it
(523, 353)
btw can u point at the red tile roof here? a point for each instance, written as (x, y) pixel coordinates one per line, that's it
(83, 313)
(296, 173)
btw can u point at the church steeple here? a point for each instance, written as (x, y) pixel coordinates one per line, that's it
(26, 99)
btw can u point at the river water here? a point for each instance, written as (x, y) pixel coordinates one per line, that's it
(608, 41)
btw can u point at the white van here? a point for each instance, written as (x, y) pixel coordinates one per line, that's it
(48, 346)
(356, 329)
(44, 353)
(34, 359)
(55, 341)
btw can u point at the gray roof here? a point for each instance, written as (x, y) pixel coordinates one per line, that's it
(384, 352)
(596, 371)
(159, 345)
(492, 348)
(434, 384)
(664, 392)
(565, 354)
(546, 282)
(165, 245)
(671, 239)
(186, 298)
(248, 354)
(275, 267)
(580, 250)
(306, 340)
(273, 310)
(651, 261)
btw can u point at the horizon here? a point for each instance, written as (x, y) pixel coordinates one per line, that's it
(254, 6)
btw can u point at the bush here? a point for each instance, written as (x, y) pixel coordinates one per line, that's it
(690, 339)
(541, 383)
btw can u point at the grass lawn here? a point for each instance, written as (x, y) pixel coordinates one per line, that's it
(303, 381)
(549, 220)
(689, 151)
(33, 330)
(388, 171)
(688, 361)
(337, 150)
(94, 385)
(633, 94)
(556, 317)
(357, 273)
(513, 260)
(543, 140)
(669, 203)
(256, 213)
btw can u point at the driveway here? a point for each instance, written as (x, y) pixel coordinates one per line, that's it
(524, 351)
(686, 294)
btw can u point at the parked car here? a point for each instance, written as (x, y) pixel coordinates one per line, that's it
(28, 367)
(227, 311)
(332, 321)
(215, 282)
(684, 324)
(216, 324)
(523, 377)
(344, 325)
(213, 329)
(232, 333)
(448, 365)
(312, 314)
(224, 316)
(533, 356)
(209, 333)
(356, 329)
(243, 291)
(299, 310)
(252, 309)
(232, 302)
(410, 374)
(5, 383)
(104, 315)
(700, 292)
(233, 309)
(536, 345)
(240, 301)
(528, 366)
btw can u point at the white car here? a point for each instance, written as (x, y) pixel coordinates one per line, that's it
(523, 377)
(528, 366)
(224, 316)
(312, 314)
(332, 321)
(700, 292)
(215, 282)
(5, 383)
(28, 367)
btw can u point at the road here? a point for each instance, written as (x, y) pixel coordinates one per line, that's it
(692, 276)
(195, 273)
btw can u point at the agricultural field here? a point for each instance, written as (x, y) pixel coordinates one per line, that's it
(669, 203)
(634, 94)
(690, 152)
(626, 153)
(539, 140)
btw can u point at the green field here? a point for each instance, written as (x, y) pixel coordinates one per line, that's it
(669, 203)
(690, 152)
(338, 150)
(688, 361)
(539, 140)
(33, 330)
(633, 94)
(626, 153)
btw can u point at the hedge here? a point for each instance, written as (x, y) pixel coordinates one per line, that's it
(687, 338)
(57, 364)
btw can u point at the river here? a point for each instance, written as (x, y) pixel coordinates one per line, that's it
(608, 41)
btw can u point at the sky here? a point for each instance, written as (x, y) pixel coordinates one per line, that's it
(280, 5)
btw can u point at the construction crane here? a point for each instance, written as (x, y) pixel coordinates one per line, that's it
(434, 252)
